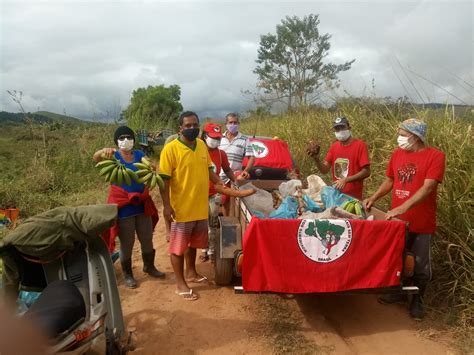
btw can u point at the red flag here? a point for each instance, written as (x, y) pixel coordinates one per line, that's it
(271, 153)
(304, 256)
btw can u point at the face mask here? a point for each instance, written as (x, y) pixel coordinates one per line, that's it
(403, 142)
(233, 128)
(190, 133)
(212, 143)
(343, 135)
(126, 144)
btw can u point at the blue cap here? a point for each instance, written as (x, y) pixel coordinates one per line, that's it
(416, 127)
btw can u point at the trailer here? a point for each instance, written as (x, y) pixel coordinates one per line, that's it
(293, 256)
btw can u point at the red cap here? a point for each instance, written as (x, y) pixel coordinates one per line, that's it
(213, 130)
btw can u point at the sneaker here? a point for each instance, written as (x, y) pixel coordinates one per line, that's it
(392, 298)
(416, 308)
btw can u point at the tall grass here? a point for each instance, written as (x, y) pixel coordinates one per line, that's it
(376, 124)
(44, 171)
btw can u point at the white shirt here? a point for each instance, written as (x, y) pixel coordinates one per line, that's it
(236, 150)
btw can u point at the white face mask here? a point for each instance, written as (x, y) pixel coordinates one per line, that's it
(403, 142)
(126, 144)
(212, 143)
(343, 135)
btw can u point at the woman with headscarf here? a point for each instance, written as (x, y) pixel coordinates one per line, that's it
(137, 212)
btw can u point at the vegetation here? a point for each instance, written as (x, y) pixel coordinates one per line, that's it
(154, 107)
(291, 68)
(376, 122)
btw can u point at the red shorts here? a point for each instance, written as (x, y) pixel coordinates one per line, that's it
(184, 235)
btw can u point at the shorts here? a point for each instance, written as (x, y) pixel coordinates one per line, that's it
(184, 235)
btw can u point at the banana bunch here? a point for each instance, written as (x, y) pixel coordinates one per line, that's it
(147, 175)
(115, 172)
(353, 206)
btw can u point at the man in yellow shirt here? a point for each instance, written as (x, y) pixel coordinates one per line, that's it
(185, 168)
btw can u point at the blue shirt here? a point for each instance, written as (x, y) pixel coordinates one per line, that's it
(131, 210)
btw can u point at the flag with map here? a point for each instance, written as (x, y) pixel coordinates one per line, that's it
(325, 255)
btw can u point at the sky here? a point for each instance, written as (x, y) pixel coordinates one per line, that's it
(85, 58)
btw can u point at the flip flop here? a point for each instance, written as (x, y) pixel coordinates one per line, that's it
(187, 295)
(199, 280)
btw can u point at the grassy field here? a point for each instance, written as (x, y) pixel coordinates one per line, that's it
(54, 167)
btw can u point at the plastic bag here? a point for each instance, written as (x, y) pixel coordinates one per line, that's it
(289, 188)
(287, 209)
(311, 205)
(261, 201)
(333, 197)
(315, 185)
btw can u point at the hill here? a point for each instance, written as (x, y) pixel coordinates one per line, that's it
(41, 117)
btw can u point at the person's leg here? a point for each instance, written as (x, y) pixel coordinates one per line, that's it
(127, 240)
(422, 274)
(144, 227)
(180, 233)
(198, 239)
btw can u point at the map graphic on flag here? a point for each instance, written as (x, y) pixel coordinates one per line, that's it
(324, 240)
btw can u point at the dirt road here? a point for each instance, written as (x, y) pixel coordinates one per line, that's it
(221, 322)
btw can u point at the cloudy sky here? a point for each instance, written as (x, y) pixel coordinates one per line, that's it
(86, 57)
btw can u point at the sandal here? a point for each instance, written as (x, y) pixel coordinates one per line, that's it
(187, 295)
(198, 280)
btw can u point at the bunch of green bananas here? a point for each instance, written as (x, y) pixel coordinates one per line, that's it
(353, 206)
(115, 172)
(147, 175)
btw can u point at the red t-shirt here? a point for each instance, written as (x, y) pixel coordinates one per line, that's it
(347, 160)
(219, 161)
(409, 171)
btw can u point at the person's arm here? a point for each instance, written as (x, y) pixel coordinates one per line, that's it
(383, 189)
(104, 153)
(168, 212)
(229, 173)
(419, 196)
(323, 166)
(361, 175)
(215, 179)
(245, 173)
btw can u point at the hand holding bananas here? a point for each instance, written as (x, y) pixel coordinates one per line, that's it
(147, 175)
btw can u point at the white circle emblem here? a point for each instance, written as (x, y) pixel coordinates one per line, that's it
(260, 150)
(324, 240)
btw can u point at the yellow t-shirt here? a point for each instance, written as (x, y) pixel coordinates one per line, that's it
(188, 172)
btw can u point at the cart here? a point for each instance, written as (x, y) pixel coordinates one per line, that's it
(254, 249)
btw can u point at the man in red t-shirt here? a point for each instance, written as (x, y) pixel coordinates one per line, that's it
(413, 175)
(348, 160)
(212, 134)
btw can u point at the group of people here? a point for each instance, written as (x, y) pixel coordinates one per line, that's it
(191, 166)
(412, 176)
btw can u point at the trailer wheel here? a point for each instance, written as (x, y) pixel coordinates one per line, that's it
(223, 267)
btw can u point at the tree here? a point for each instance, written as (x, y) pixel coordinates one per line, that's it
(154, 107)
(291, 67)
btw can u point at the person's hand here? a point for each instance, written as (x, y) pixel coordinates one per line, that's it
(340, 183)
(244, 175)
(107, 153)
(168, 213)
(397, 211)
(313, 149)
(368, 202)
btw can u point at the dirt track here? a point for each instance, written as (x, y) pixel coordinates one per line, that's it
(222, 322)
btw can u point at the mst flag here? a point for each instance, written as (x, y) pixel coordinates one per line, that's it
(325, 255)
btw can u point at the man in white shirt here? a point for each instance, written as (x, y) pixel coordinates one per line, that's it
(237, 146)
